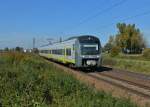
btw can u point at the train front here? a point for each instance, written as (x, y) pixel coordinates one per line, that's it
(89, 52)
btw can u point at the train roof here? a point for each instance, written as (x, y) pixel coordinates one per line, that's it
(80, 38)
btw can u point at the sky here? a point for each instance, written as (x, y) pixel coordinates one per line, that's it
(23, 20)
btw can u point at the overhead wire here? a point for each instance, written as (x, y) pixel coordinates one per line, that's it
(127, 18)
(99, 13)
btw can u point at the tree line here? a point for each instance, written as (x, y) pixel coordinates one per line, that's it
(19, 49)
(128, 39)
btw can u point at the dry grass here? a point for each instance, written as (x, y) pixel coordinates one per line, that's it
(29, 81)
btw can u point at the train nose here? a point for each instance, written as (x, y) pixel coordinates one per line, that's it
(91, 62)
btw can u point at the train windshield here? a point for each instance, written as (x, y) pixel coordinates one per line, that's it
(89, 49)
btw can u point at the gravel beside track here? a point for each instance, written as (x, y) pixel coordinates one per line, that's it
(128, 85)
(138, 78)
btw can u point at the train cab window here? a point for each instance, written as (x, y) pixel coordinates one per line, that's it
(68, 51)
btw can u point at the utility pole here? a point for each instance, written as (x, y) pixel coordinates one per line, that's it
(60, 39)
(33, 43)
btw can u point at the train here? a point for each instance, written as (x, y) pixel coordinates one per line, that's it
(80, 51)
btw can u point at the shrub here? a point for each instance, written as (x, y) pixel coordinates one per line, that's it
(109, 61)
(146, 53)
(36, 83)
(114, 51)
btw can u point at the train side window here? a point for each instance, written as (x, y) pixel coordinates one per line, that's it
(52, 51)
(68, 51)
(55, 51)
(60, 51)
(73, 46)
(63, 51)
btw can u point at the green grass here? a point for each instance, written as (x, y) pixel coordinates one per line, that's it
(133, 57)
(135, 63)
(29, 81)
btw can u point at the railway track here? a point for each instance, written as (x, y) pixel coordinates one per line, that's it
(131, 86)
(137, 87)
(134, 87)
(127, 81)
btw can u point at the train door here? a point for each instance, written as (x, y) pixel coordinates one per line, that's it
(68, 54)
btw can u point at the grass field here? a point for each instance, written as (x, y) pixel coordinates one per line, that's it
(135, 63)
(29, 81)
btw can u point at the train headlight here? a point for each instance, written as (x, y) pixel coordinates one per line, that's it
(83, 56)
(97, 56)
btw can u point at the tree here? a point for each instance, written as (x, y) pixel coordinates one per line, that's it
(35, 50)
(129, 38)
(115, 51)
(6, 49)
(110, 44)
(19, 49)
(107, 47)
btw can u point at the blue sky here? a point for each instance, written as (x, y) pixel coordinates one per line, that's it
(21, 20)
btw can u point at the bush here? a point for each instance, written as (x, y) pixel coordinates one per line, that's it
(109, 61)
(146, 53)
(114, 51)
(36, 83)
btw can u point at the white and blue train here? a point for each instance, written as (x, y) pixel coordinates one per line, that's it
(81, 52)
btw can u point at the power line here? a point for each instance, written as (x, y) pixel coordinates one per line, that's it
(127, 18)
(99, 13)
(137, 15)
